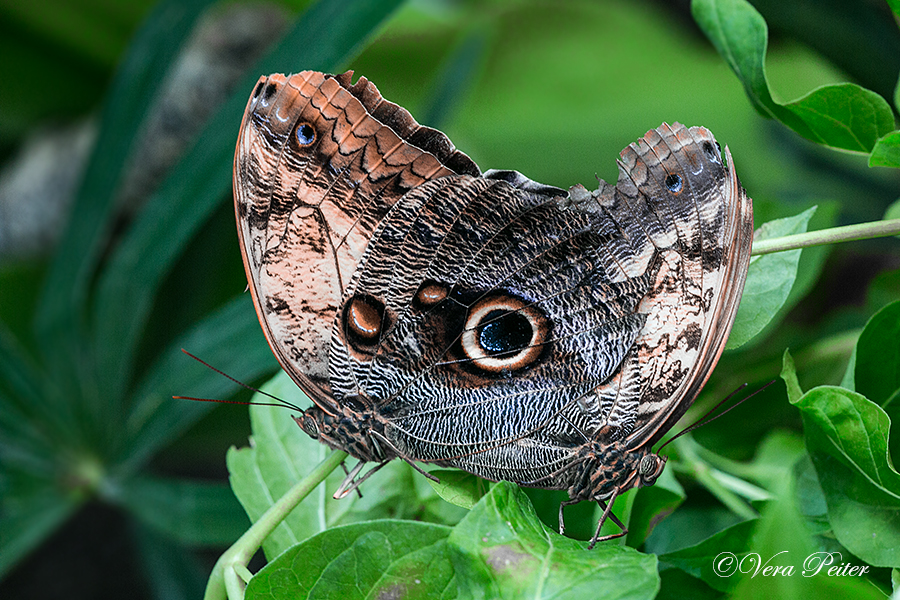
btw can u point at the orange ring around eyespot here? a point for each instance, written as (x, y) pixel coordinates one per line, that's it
(525, 357)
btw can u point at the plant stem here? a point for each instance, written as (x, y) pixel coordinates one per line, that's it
(848, 233)
(230, 574)
(717, 483)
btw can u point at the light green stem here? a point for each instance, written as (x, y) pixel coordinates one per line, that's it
(706, 476)
(848, 233)
(230, 574)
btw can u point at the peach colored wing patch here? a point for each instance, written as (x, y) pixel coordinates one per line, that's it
(318, 164)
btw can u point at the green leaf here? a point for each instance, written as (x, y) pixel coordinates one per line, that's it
(171, 571)
(877, 374)
(789, 375)
(28, 517)
(676, 585)
(501, 550)
(138, 77)
(895, 6)
(892, 211)
(156, 418)
(705, 560)
(379, 559)
(769, 280)
(782, 540)
(326, 36)
(887, 151)
(281, 454)
(844, 116)
(651, 505)
(847, 438)
(194, 512)
(458, 487)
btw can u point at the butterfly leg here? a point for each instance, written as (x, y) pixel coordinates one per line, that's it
(562, 505)
(397, 452)
(347, 476)
(607, 514)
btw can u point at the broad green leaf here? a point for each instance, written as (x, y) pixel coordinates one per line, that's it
(458, 487)
(501, 550)
(676, 585)
(378, 559)
(281, 454)
(324, 38)
(769, 280)
(713, 557)
(844, 116)
(877, 373)
(895, 6)
(887, 151)
(847, 438)
(194, 512)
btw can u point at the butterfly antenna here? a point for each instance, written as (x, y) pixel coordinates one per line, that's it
(278, 401)
(707, 419)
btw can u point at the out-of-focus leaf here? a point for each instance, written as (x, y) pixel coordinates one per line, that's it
(501, 550)
(28, 517)
(194, 512)
(769, 280)
(714, 553)
(651, 505)
(893, 211)
(895, 6)
(138, 77)
(844, 116)
(379, 559)
(171, 572)
(676, 585)
(877, 375)
(887, 151)
(782, 540)
(229, 339)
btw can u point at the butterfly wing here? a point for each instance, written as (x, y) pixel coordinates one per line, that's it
(679, 194)
(318, 164)
(629, 292)
(460, 247)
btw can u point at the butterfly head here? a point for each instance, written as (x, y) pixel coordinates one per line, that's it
(610, 469)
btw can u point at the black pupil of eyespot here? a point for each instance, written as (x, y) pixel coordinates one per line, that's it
(673, 182)
(504, 333)
(305, 134)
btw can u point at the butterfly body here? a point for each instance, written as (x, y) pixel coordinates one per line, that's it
(484, 321)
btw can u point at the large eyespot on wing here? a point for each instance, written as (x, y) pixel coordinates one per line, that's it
(503, 334)
(498, 314)
(319, 162)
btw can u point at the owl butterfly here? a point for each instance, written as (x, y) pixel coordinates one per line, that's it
(484, 321)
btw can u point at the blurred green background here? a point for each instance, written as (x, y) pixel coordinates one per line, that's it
(552, 89)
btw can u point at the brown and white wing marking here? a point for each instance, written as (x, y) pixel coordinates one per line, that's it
(319, 162)
(690, 224)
